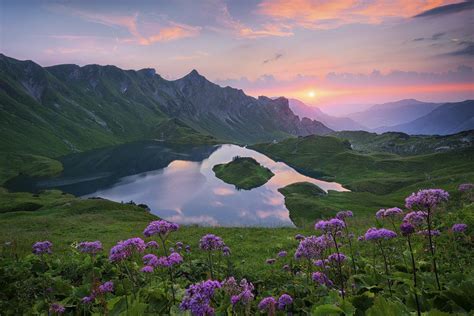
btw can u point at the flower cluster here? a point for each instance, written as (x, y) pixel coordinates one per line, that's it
(267, 305)
(377, 234)
(197, 298)
(151, 261)
(211, 242)
(459, 228)
(389, 212)
(299, 237)
(407, 228)
(337, 257)
(226, 251)
(433, 232)
(152, 245)
(90, 247)
(284, 300)
(465, 187)
(312, 247)
(342, 215)
(106, 287)
(331, 226)
(238, 292)
(161, 228)
(270, 261)
(282, 253)
(124, 249)
(322, 279)
(416, 218)
(43, 247)
(57, 308)
(426, 199)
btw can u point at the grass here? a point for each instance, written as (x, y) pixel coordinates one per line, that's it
(243, 172)
(376, 179)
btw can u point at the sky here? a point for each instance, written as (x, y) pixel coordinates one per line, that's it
(324, 52)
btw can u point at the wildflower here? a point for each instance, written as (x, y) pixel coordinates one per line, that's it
(426, 232)
(380, 213)
(391, 212)
(57, 308)
(286, 267)
(337, 257)
(90, 247)
(284, 300)
(124, 249)
(407, 228)
(465, 187)
(382, 233)
(187, 248)
(459, 228)
(174, 259)
(241, 292)
(211, 242)
(161, 228)
(333, 225)
(43, 247)
(416, 218)
(270, 261)
(360, 238)
(344, 214)
(197, 298)
(426, 199)
(322, 279)
(150, 259)
(311, 247)
(106, 287)
(282, 253)
(152, 244)
(147, 269)
(88, 299)
(267, 304)
(226, 251)
(299, 237)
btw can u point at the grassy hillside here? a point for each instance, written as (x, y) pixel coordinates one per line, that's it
(243, 172)
(13, 164)
(375, 178)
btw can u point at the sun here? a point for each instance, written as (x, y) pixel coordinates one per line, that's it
(311, 94)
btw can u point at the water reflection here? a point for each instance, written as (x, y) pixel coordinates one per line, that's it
(178, 184)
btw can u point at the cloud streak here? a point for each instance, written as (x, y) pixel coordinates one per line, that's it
(447, 9)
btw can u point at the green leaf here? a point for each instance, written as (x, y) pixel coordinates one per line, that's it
(384, 307)
(326, 310)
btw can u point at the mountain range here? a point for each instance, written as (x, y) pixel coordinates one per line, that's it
(66, 108)
(407, 116)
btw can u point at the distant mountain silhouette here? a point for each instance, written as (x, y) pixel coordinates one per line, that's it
(333, 122)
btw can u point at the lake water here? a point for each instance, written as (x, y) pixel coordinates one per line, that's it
(177, 183)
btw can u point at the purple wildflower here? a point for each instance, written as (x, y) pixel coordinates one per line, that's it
(161, 228)
(380, 213)
(270, 261)
(321, 278)
(57, 308)
(337, 257)
(407, 228)
(286, 267)
(312, 247)
(211, 242)
(226, 251)
(43, 247)
(90, 247)
(434, 232)
(459, 228)
(152, 244)
(299, 237)
(124, 249)
(382, 233)
(360, 238)
(465, 187)
(267, 304)
(239, 292)
(106, 287)
(150, 259)
(426, 199)
(187, 248)
(88, 299)
(284, 300)
(391, 212)
(174, 259)
(197, 298)
(282, 253)
(147, 269)
(333, 225)
(415, 218)
(342, 215)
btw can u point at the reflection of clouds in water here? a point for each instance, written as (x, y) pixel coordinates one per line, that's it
(188, 192)
(223, 191)
(189, 220)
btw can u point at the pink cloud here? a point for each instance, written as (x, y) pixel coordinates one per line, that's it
(332, 13)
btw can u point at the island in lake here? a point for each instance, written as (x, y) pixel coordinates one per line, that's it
(243, 172)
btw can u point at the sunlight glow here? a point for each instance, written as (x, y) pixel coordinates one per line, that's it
(311, 94)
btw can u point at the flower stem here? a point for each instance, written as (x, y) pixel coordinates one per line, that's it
(433, 258)
(341, 280)
(418, 309)
(387, 273)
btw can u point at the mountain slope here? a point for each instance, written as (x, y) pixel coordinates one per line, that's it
(393, 113)
(60, 109)
(449, 118)
(336, 123)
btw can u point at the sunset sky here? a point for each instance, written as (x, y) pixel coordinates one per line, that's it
(323, 52)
